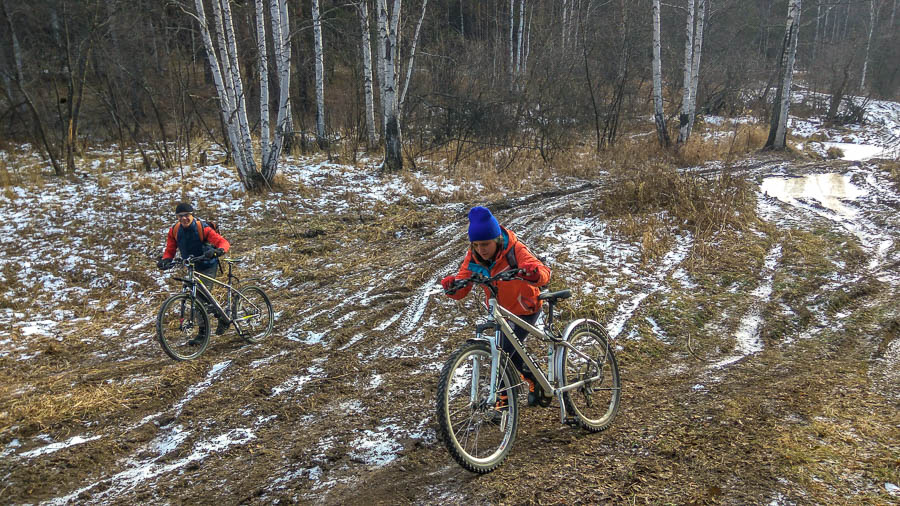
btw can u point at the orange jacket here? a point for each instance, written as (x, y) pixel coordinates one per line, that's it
(518, 296)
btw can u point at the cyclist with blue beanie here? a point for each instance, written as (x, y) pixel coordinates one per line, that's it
(494, 249)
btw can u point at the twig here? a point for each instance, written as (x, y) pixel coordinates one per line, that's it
(690, 349)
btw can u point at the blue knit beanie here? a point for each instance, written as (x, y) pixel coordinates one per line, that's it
(482, 225)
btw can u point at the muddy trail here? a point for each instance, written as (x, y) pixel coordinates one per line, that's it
(760, 367)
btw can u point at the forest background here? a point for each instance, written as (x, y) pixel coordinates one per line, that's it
(499, 82)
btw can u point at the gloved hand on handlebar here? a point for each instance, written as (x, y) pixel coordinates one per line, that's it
(447, 283)
(530, 273)
(164, 263)
(212, 253)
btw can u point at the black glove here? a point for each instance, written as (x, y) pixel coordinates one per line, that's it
(219, 252)
(164, 263)
(209, 254)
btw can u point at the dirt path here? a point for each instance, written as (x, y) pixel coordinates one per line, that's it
(767, 373)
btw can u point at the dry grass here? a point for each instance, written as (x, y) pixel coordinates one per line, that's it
(655, 199)
(63, 402)
(834, 153)
(725, 144)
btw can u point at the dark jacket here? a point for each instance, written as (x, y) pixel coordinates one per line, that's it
(187, 241)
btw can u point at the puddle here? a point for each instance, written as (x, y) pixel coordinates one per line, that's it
(829, 190)
(856, 152)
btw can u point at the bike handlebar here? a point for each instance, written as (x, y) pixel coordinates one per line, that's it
(488, 281)
(175, 262)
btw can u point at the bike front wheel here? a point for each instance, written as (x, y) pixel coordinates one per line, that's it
(253, 314)
(182, 327)
(477, 435)
(595, 403)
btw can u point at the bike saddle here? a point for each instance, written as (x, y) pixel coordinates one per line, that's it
(554, 296)
(233, 260)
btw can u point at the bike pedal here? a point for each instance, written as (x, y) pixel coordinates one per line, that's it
(571, 420)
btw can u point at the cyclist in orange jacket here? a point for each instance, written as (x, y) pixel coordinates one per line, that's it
(492, 250)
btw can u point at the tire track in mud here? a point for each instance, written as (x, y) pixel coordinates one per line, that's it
(747, 336)
(669, 263)
(854, 212)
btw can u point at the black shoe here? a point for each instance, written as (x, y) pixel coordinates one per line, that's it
(221, 327)
(195, 341)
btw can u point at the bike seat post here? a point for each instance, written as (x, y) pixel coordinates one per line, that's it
(549, 321)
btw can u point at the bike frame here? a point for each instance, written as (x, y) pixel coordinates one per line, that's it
(192, 286)
(497, 319)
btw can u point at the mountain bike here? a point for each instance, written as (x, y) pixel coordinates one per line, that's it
(182, 325)
(478, 427)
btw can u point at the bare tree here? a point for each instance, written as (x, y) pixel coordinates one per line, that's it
(363, 10)
(692, 47)
(389, 53)
(412, 53)
(658, 112)
(278, 10)
(872, 17)
(778, 128)
(320, 76)
(225, 70)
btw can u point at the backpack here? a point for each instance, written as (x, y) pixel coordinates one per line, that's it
(514, 263)
(203, 224)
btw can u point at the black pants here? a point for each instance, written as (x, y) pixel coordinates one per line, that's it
(211, 272)
(521, 333)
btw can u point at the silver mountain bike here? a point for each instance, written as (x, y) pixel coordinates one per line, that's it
(477, 405)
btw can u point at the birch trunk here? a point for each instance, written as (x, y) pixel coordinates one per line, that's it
(778, 128)
(278, 13)
(872, 16)
(512, 24)
(389, 35)
(262, 51)
(371, 137)
(658, 113)
(683, 132)
(695, 65)
(412, 55)
(320, 76)
(520, 52)
(381, 28)
(816, 37)
(240, 98)
(223, 92)
(226, 75)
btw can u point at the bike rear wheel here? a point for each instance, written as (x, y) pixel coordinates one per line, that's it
(182, 327)
(595, 403)
(254, 314)
(477, 435)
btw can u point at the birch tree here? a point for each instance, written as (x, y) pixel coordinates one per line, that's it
(692, 47)
(389, 52)
(412, 54)
(284, 128)
(363, 11)
(872, 17)
(225, 70)
(320, 76)
(778, 127)
(389, 63)
(658, 113)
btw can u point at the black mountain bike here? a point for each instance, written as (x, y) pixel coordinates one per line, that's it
(182, 326)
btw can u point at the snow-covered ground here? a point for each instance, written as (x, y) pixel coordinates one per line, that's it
(71, 252)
